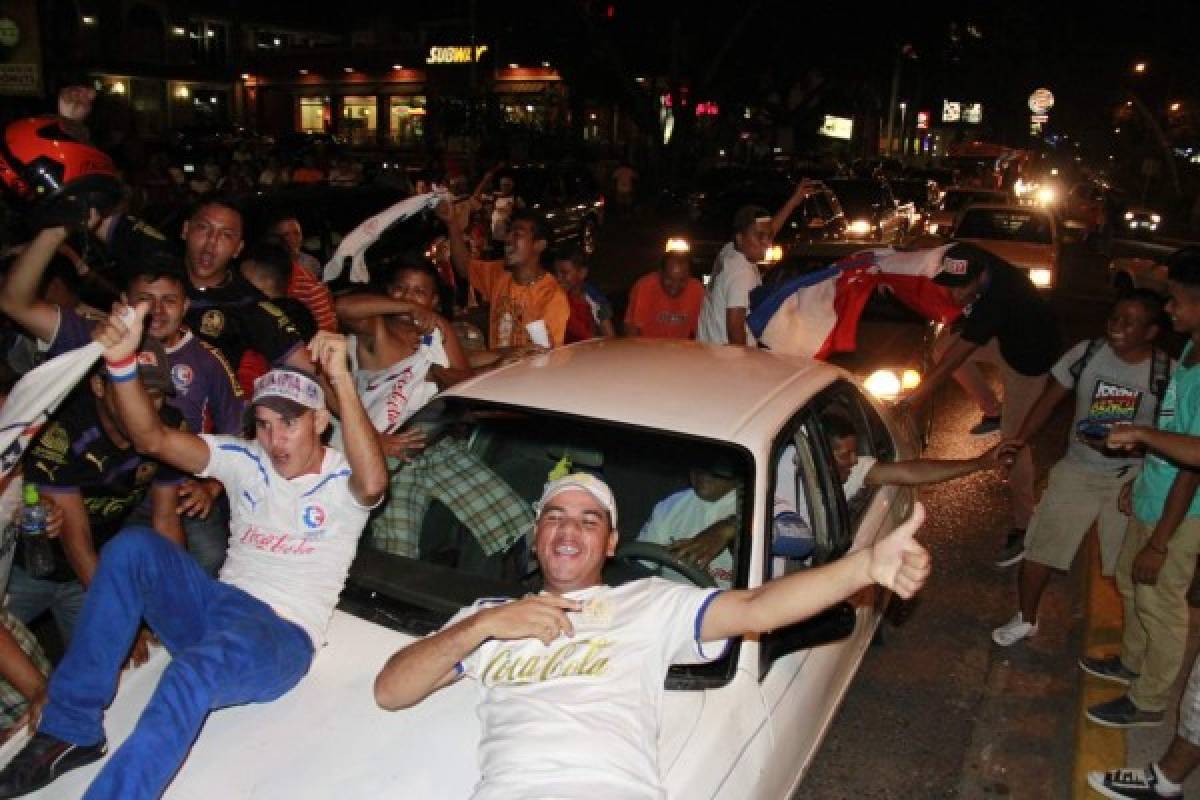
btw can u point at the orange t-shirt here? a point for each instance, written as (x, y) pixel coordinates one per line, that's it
(660, 316)
(513, 306)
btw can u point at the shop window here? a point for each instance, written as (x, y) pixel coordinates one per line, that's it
(358, 119)
(314, 114)
(406, 119)
(525, 113)
(209, 42)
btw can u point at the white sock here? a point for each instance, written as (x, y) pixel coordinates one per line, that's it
(1163, 784)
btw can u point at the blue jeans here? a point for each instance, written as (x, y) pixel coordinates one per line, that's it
(227, 649)
(29, 598)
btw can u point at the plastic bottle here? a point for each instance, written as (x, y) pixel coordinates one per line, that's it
(39, 554)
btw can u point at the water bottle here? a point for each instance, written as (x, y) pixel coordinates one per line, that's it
(39, 554)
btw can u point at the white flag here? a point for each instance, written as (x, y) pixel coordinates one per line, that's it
(355, 245)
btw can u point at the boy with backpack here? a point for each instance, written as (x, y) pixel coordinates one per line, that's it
(1120, 377)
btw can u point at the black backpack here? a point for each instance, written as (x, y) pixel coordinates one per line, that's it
(1160, 370)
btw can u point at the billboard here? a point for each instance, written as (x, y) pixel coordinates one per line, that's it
(20, 49)
(951, 111)
(972, 113)
(837, 127)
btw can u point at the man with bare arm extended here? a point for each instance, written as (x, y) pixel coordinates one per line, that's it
(571, 679)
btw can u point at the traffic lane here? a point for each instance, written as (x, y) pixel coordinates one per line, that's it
(938, 710)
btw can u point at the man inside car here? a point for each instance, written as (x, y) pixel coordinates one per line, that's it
(572, 678)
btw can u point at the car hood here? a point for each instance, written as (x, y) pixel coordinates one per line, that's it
(327, 738)
(1026, 255)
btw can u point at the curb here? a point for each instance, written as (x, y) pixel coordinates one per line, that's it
(1097, 748)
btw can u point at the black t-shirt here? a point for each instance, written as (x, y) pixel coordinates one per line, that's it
(302, 318)
(73, 453)
(235, 317)
(1011, 310)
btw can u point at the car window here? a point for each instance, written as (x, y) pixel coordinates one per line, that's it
(855, 438)
(1006, 225)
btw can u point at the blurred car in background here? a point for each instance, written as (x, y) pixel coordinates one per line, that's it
(568, 196)
(1140, 222)
(1024, 237)
(872, 214)
(956, 199)
(916, 197)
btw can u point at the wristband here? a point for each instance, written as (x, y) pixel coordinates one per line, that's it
(123, 370)
(121, 363)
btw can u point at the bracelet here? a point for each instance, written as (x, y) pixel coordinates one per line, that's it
(121, 363)
(123, 370)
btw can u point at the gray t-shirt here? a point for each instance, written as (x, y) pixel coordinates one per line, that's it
(1110, 391)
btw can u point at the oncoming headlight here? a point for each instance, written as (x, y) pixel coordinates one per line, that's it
(859, 227)
(1046, 195)
(1041, 278)
(883, 384)
(910, 379)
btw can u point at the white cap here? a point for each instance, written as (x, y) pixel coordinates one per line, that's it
(585, 482)
(288, 391)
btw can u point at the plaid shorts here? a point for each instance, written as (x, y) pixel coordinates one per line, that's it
(12, 702)
(454, 476)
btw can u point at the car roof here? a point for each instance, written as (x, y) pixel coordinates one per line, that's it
(733, 394)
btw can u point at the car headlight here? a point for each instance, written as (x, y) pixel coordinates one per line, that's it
(774, 255)
(1041, 278)
(910, 379)
(1046, 195)
(883, 384)
(1128, 215)
(933, 227)
(1155, 218)
(859, 227)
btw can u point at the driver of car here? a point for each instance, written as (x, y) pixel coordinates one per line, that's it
(699, 524)
(571, 680)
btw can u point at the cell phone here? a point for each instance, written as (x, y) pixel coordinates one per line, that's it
(1092, 431)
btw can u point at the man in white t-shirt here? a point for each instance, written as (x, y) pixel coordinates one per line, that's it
(297, 510)
(571, 679)
(735, 271)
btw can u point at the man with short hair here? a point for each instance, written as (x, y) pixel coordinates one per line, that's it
(524, 292)
(298, 510)
(1004, 323)
(206, 392)
(665, 304)
(540, 730)
(735, 271)
(591, 313)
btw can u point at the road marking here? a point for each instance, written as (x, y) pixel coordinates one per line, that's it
(1097, 748)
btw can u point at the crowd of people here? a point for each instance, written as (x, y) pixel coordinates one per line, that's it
(208, 482)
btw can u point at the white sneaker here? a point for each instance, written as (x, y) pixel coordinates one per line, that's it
(1013, 631)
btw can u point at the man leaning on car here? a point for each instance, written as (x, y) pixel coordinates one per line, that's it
(574, 675)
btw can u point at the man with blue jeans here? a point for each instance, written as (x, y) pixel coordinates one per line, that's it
(298, 509)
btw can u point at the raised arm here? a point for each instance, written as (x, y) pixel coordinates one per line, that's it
(803, 190)
(120, 335)
(896, 562)
(368, 470)
(19, 297)
(459, 255)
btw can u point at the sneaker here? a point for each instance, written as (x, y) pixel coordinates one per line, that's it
(1122, 713)
(987, 425)
(1129, 784)
(1013, 550)
(1014, 631)
(42, 760)
(1108, 668)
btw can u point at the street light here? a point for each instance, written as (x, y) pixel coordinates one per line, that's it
(1175, 107)
(1139, 67)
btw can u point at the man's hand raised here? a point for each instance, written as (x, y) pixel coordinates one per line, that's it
(898, 561)
(121, 331)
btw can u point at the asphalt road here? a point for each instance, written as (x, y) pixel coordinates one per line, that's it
(937, 710)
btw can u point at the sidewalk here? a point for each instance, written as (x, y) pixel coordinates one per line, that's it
(1099, 748)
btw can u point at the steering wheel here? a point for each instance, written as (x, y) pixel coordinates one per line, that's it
(664, 558)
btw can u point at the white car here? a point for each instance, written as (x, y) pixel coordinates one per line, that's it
(1027, 238)
(642, 413)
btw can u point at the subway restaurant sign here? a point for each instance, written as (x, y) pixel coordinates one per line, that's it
(454, 54)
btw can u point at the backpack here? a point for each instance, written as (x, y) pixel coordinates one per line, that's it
(1160, 370)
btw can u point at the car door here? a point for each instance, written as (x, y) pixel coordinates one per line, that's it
(805, 669)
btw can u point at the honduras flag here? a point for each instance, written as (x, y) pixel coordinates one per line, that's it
(817, 313)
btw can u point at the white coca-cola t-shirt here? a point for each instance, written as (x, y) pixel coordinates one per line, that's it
(393, 394)
(291, 541)
(579, 718)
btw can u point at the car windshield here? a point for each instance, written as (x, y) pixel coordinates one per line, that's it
(856, 195)
(1004, 224)
(460, 517)
(957, 201)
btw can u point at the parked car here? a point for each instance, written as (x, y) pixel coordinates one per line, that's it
(956, 200)
(722, 192)
(567, 194)
(1024, 237)
(1089, 203)
(872, 213)
(747, 725)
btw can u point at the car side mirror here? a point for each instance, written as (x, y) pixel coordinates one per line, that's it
(831, 625)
